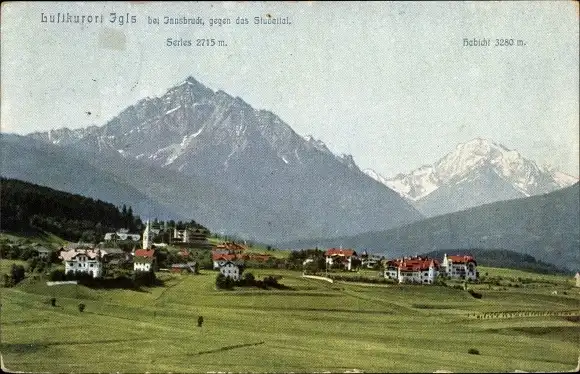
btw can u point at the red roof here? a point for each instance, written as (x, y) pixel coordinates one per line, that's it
(220, 256)
(339, 252)
(144, 253)
(413, 263)
(229, 246)
(262, 258)
(461, 259)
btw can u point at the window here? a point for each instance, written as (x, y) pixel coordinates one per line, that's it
(91, 265)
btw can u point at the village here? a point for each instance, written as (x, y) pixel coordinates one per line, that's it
(231, 259)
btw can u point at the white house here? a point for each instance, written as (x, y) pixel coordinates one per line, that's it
(122, 234)
(43, 252)
(82, 261)
(344, 256)
(231, 270)
(143, 260)
(220, 259)
(412, 270)
(463, 267)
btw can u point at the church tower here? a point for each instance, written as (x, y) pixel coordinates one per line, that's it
(147, 237)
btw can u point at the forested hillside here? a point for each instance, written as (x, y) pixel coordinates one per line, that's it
(30, 207)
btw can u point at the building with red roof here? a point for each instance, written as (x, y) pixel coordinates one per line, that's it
(341, 256)
(220, 259)
(143, 259)
(421, 270)
(456, 266)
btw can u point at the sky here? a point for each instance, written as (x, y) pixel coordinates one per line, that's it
(390, 83)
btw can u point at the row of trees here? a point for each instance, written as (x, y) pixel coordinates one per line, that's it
(248, 280)
(131, 280)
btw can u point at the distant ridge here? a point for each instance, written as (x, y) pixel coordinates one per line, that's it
(545, 226)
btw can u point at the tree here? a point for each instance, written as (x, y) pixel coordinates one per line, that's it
(248, 279)
(355, 263)
(81, 307)
(53, 301)
(223, 282)
(199, 321)
(17, 273)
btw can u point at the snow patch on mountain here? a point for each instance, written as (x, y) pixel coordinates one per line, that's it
(466, 163)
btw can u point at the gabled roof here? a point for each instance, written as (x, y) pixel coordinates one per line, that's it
(235, 263)
(339, 252)
(413, 263)
(112, 251)
(73, 253)
(222, 257)
(230, 246)
(457, 259)
(144, 253)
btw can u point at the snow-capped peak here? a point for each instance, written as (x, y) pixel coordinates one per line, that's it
(470, 160)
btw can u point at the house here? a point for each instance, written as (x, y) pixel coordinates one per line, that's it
(463, 267)
(122, 234)
(43, 252)
(82, 261)
(343, 256)
(229, 247)
(220, 259)
(190, 267)
(577, 277)
(143, 259)
(392, 269)
(412, 270)
(369, 261)
(232, 270)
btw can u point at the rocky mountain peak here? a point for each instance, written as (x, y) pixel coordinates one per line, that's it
(478, 159)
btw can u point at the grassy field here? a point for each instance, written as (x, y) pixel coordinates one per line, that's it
(316, 326)
(6, 265)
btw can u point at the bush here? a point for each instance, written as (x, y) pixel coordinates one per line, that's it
(53, 301)
(16, 275)
(81, 307)
(248, 279)
(144, 278)
(223, 282)
(57, 275)
(474, 294)
(473, 351)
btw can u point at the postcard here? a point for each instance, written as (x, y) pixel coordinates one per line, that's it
(337, 187)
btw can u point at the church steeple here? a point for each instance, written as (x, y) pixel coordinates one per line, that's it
(147, 237)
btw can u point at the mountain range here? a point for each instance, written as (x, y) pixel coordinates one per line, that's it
(195, 153)
(545, 226)
(477, 172)
(205, 155)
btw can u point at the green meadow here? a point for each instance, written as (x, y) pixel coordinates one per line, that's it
(316, 326)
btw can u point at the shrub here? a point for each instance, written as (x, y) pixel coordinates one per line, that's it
(81, 307)
(144, 278)
(53, 301)
(223, 282)
(248, 279)
(474, 294)
(473, 351)
(57, 275)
